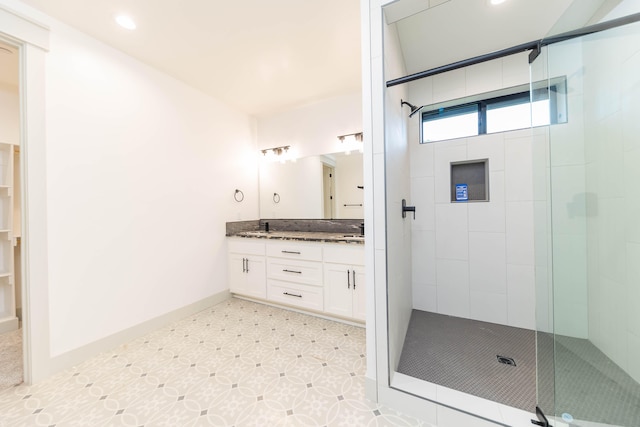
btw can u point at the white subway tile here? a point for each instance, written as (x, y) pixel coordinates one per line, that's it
(453, 287)
(633, 343)
(423, 257)
(521, 296)
(445, 153)
(515, 70)
(633, 288)
(422, 160)
(568, 194)
(487, 217)
(425, 298)
(520, 237)
(488, 307)
(632, 202)
(422, 197)
(496, 188)
(487, 262)
(452, 238)
(421, 91)
(483, 77)
(518, 169)
(490, 147)
(449, 85)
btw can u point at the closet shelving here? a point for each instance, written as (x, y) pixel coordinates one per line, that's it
(8, 318)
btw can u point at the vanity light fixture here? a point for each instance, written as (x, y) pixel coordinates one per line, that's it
(276, 153)
(350, 137)
(125, 21)
(351, 141)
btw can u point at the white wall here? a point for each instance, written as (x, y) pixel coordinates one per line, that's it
(314, 128)
(141, 171)
(9, 114)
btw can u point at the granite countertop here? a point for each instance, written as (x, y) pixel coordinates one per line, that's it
(308, 236)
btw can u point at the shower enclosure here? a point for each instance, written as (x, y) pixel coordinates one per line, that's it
(522, 305)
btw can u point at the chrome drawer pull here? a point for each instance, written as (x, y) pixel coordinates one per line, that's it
(292, 295)
(291, 252)
(292, 271)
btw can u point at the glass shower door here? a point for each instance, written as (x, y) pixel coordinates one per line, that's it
(588, 239)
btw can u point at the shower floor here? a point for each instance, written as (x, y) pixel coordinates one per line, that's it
(461, 354)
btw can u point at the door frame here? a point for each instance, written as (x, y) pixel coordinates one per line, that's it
(32, 41)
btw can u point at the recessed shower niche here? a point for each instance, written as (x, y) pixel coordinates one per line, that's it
(470, 181)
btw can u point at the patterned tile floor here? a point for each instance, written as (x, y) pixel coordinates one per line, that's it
(235, 364)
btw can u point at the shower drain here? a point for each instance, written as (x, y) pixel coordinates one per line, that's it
(506, 360)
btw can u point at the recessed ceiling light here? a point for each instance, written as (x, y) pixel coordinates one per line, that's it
(125, 21)
(495, 2)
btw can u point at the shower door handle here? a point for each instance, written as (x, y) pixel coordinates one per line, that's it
(406, 209)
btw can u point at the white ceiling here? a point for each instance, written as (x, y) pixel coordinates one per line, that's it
(432, 38)
(259, 56)
(266, 56)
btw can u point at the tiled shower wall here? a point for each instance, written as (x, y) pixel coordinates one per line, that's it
(475, 260)
(612, 157)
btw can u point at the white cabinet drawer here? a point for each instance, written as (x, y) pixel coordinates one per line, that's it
(344, 254)
(245, 246)
(307, 272)
(295, 294)
(295, 250)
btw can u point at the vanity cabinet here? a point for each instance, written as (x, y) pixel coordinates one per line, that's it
(247, 268)
(344, 282)
(325, 278)
(294, 274)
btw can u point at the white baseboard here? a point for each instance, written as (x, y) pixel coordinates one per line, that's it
(79, 355)
(371, 389)
(9, 324)
(314, 313)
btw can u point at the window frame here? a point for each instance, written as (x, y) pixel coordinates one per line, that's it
(554, 90)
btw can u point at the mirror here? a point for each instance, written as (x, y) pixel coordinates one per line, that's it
(328, 186)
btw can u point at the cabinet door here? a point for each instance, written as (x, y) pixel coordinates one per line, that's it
(237, 276)
(359, 294)
(338, 289)
(256, 284)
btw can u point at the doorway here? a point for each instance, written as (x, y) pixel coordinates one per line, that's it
(328, 189)
(11, 342)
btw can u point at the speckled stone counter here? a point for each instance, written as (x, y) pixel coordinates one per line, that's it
(332, 231)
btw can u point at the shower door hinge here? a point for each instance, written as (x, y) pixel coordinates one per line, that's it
(542, 419)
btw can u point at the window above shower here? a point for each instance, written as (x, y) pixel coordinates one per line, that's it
(518, 107)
